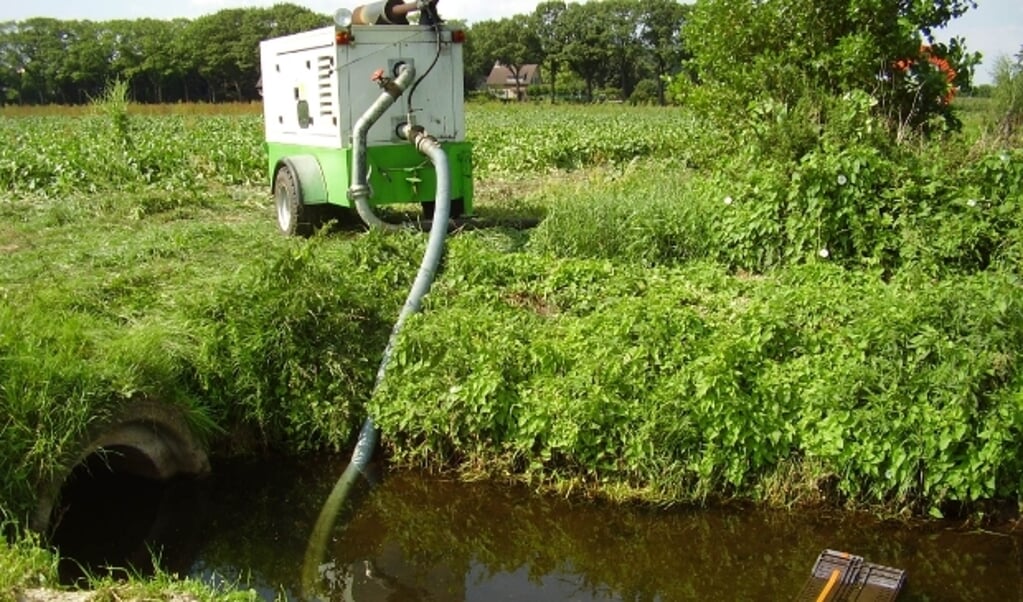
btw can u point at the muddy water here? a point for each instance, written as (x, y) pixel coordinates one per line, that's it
(417, 538)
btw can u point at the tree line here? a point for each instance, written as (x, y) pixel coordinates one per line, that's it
(613, 44)
(213, 58)
(721, 54)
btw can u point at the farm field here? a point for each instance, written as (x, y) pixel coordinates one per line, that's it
(697, 316)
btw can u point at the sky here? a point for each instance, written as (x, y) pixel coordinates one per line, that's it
(995, 27)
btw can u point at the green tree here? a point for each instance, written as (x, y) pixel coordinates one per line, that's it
(226, 51)
(38, 46)
(478, 57)
(512, 43)
(11, 64)
(619, 19)
(219, 53)
(784, 49)
(660, 35)
(285, 19)
(145, 56)
(550, 37)
(85, 69)
(586, 51)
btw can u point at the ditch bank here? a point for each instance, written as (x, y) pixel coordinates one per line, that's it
(666, 383)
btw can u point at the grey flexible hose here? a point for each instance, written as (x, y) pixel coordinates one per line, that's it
(369, 435)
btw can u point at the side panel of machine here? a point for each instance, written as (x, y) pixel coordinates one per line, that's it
(301, 103)
(437, 102)
(398, 173)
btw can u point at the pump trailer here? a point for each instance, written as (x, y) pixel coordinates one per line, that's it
(322, 90)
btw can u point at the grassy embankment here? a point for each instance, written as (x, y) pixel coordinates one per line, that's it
(698, 316)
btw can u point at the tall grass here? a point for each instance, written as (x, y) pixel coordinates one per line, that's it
(1008, 96)
(689, 320)
(23, 562)
(754, 216)
(205, 307)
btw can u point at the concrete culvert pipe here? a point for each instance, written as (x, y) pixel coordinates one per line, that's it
(147, 440)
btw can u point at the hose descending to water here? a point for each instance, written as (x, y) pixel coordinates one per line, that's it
(368, 435)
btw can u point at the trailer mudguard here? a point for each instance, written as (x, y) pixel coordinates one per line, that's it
(312, 185)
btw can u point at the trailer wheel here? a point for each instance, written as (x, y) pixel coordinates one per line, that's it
(294, 218)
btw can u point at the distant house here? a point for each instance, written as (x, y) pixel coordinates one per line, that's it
(501, 81)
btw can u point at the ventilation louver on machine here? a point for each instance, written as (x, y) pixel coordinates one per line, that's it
(325, 71)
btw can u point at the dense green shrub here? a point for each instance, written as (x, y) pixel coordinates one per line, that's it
(699, 312)
(789, 50)
(966, 220)
(851, 197)
(691, 382)
(291, 344)
(645, 93)
(279, 339)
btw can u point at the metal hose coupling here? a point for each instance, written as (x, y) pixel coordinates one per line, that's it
(387, 84)
(418, 137)
(426, 144)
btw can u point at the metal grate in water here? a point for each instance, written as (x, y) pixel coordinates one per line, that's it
(843, 577)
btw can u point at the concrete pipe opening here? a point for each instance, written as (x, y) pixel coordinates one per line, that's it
(130, 496)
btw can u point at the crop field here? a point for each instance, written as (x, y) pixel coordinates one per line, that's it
(697, 316)
(93, 152)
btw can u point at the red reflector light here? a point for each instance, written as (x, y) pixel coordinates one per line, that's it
(458, 36)
(343, 37)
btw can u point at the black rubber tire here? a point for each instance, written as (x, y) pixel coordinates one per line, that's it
(294, 218)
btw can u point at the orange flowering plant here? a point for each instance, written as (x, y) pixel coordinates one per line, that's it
(933, 63)
(794, 50)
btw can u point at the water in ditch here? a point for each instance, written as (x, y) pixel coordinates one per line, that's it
(418, 538)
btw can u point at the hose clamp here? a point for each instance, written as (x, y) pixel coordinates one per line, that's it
(357, 191)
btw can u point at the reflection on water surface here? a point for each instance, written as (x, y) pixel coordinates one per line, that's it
(418, 538)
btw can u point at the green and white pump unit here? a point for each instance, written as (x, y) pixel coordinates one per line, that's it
(364, 113)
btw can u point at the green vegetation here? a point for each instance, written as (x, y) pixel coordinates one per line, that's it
(684, 323)
(105, 151)
(803, 52)
(23, 563)
(26, 564)
(811, 301)
(1008, 99)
